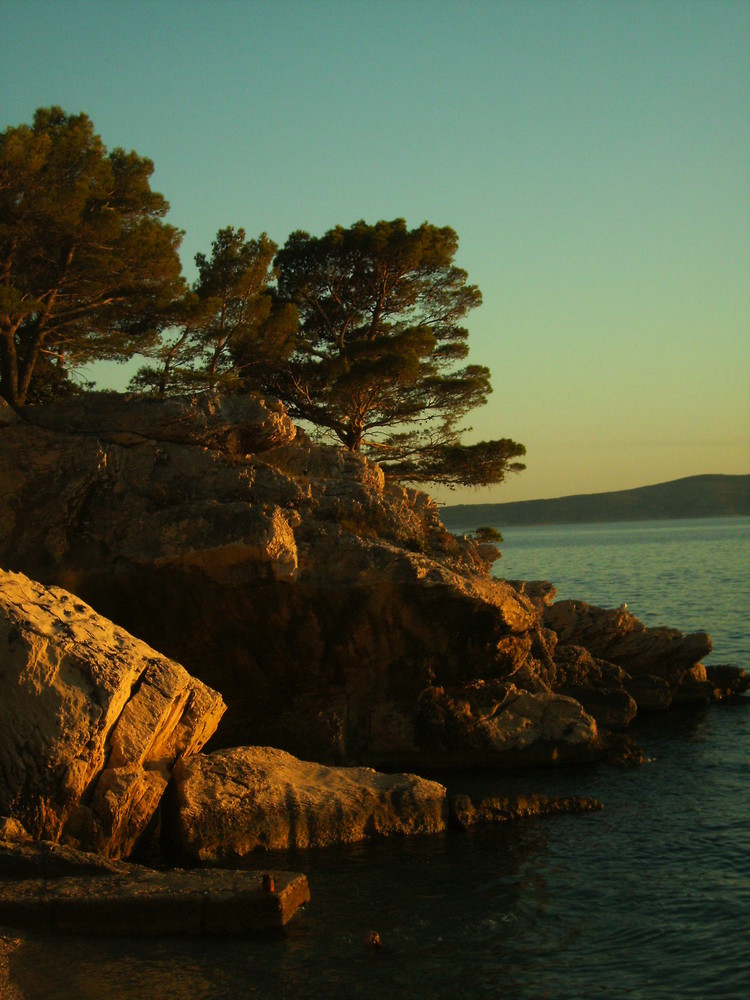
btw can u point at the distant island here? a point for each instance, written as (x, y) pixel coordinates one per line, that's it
(694, 496)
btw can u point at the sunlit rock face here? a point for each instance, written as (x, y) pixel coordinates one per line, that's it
(91, 721)
(232, 802)
(333, 611)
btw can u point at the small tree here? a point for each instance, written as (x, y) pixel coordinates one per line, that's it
(88, 268)
(487, 536)
(378, 358)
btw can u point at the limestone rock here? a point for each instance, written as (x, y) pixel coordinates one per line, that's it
(236, 425)
(601, 687)
(656, 660)
(13, 832)
(324, 602)
(91, 720)
(466, 811)
(45, 860)
(230, 803)
(541, 593)
(496, 723)
(306, 579)
(704, 684)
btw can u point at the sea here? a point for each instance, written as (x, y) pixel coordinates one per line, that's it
(648, 898)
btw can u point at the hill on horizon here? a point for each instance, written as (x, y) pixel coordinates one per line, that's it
(694, 496)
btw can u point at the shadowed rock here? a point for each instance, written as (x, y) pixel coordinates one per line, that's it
(142, 903)
(466, 811)
(658, 665)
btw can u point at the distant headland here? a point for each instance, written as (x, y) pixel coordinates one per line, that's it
(694, 496)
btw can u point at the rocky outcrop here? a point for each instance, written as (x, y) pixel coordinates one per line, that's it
(232, 802)
(336, 615)
(654, 666)
(91, 720)
(234, 425)
(601, 687)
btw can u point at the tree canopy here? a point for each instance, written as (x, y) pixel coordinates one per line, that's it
(233, 329)
(378, 357)
(360, 332)
(88, 267)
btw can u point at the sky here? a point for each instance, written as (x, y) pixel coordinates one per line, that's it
(593, 157)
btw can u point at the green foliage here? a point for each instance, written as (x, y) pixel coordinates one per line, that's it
(89, 268)
(450, 463)
(487, 536)
(234, 328)
(378, 358)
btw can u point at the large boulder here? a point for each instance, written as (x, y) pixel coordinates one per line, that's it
(91, 720)
(230, 803)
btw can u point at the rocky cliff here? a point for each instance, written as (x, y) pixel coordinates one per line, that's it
(332, 610)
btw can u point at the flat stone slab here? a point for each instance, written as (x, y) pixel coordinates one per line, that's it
(153, 904)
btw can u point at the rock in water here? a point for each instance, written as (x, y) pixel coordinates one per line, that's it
(232, 802)
(91, 720)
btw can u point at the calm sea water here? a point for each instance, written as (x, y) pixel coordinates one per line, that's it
(648, 899)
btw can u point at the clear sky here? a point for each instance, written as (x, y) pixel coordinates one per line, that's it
(593, 157)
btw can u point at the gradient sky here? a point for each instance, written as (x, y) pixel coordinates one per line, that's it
(593, 157)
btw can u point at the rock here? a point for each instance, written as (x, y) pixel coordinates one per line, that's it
(495, 723)
(656, 659)
(9, 943)
(230, 803)
(711, 683)
(321, 600)
(599, 686)
(91, 720)
(13, 832)
(466, 812)
(143, 903)
(45, 860)
(541, 593)
(326, 604)
(235, 425)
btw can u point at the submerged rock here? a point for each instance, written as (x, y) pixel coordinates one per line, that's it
(91, 721)
(230, 803)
